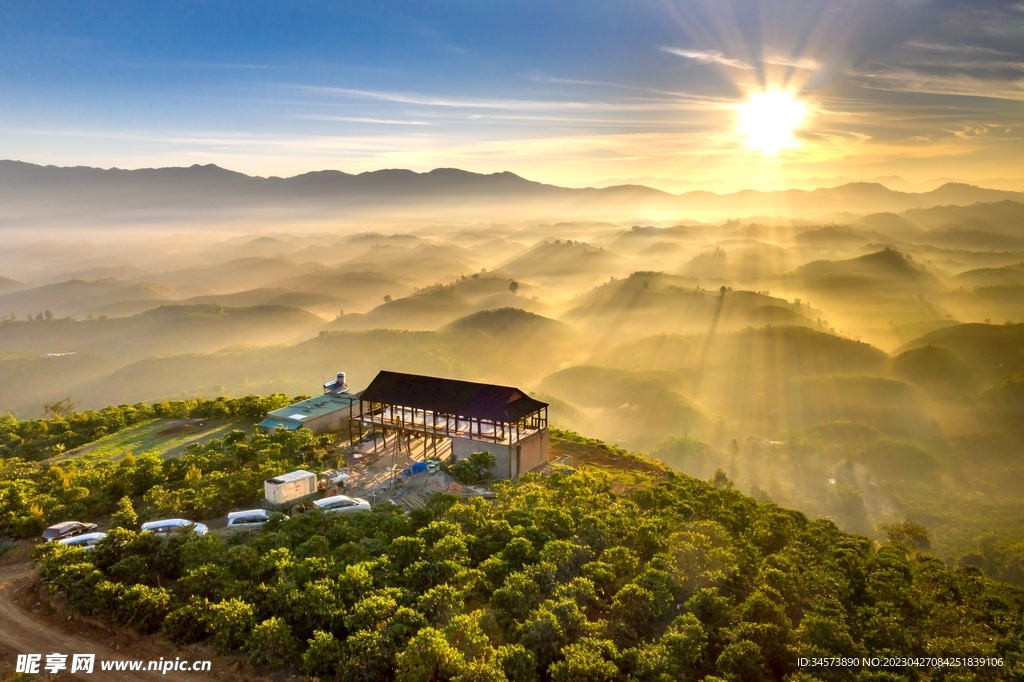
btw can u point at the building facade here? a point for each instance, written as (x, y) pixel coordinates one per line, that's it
(502, 420)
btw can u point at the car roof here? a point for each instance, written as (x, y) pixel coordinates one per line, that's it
(333, 499)
(162, 523)
(248, 512)
(64, 525)
(83, 538)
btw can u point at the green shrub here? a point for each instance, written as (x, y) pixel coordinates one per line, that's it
(188, 624)
(429, 657)
(125, 516)
(271, 643)
(473, 469)
(144, 608)
(323, 658)
(231, 621)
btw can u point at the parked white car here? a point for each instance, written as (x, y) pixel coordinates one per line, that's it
(250, 519)
(342, 504)
(86, 541)
(165, 527)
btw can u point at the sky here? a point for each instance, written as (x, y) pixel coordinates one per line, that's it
(572, 92)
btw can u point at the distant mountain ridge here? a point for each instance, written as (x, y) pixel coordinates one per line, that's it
(31, 193)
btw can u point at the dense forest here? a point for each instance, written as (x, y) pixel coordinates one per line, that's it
(600, 573)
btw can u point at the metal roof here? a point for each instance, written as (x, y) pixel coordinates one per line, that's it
(272, 424)
(304, 410)
(450, 396)
(296, 475)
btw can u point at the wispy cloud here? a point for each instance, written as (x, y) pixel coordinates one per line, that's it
(960, 49)
(707, 57)
(659, 101)
(361, 119)
(574, 81)
(898, 79)
(419, 99)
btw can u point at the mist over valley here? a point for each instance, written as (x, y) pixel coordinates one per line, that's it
(858, 357)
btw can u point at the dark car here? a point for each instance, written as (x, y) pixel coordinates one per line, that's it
(67, 529)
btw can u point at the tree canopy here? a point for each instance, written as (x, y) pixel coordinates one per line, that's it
(575, 576)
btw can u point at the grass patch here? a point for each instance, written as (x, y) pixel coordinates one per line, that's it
(629, 467)
(164, 437)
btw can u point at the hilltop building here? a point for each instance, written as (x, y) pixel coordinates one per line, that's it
(499, 419)
(468, 416)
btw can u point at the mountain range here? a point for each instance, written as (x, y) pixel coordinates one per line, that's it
(33, 195)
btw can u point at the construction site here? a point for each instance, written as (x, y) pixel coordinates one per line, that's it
(403, 429)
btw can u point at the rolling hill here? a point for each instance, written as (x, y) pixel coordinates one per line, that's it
(647, 303)
(890, 224)
(238, 274)
(8, 285)
(1002, 217)
(563, 258)
(436, 306)
(888, 269)
(975, 239)
(989, 351)
(43, 361)
(1010, 275)
(80, 297)
(843, 235)
(990, 303)
(421, 264)
(359, 290)
(934, 367)
(637, 408)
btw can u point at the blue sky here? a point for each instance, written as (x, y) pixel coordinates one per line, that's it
(568, 92)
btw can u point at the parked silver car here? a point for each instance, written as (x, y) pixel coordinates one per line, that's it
(85, 541)
(250, 519)
(165, 527)
(341, 504)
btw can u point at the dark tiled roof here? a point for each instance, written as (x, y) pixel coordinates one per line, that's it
(462, 398)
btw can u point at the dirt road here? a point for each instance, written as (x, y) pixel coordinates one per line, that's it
(25, 631)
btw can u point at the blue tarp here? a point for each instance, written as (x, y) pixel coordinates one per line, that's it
(416, 468)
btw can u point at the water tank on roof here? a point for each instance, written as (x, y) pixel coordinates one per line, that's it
(338, 386)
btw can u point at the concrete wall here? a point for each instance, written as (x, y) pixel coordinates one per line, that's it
(503, 460)
(332, 421)
(510, 462)
(533, 452)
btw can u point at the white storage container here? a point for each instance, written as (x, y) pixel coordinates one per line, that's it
(290, 486)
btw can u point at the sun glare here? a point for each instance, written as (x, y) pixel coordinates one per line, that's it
(768, 119)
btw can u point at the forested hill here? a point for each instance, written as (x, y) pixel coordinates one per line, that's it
(616, 569)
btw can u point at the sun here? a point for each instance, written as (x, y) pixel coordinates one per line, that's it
(768, 120)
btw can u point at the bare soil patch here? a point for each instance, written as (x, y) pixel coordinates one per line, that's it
(579, 453)
(185, 427)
